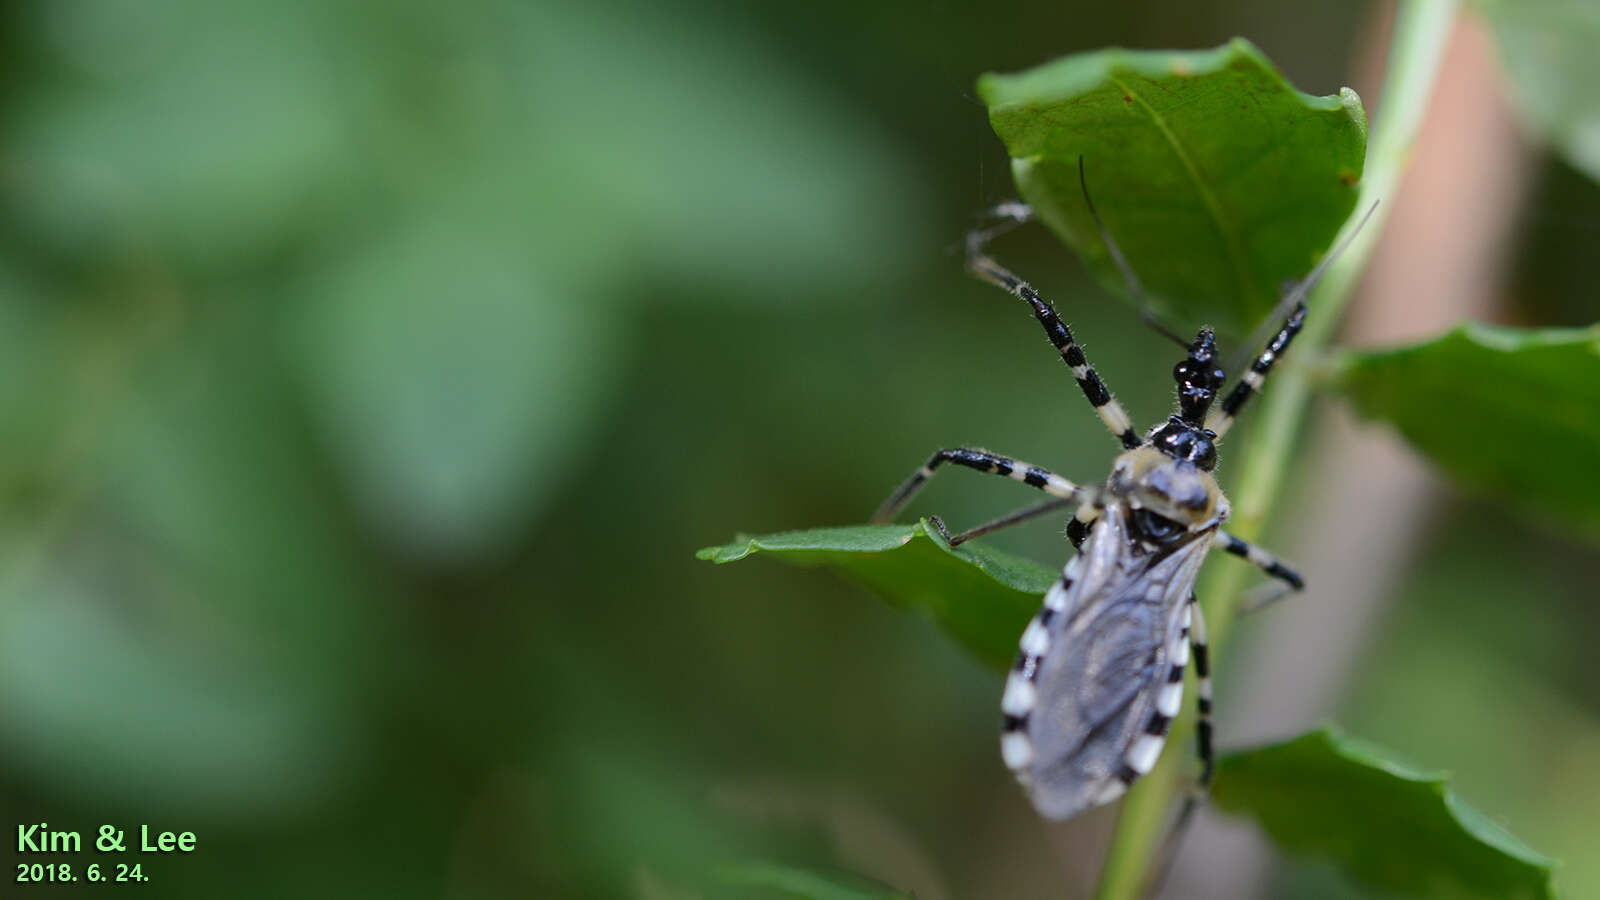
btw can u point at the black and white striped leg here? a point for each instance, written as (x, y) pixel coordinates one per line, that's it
(1263, 596)
(1180, 826)
(1264, 561)
(983, 461)
(1292, 306)
(1082, 521)
(1077, 527)
(1006, 521)
(1252, 379)
(1105, 406)
(1202, 674)
(1004, 216)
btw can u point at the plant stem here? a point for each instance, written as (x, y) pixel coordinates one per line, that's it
(1420, 30)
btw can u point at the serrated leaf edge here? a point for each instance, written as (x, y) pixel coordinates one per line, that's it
(1162, 63)
(1484, 829)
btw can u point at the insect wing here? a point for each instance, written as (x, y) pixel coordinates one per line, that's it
(1106, 675)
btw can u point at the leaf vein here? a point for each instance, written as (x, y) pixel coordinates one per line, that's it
(1229, 235)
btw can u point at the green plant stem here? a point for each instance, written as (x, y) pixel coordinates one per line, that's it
(1421, 28)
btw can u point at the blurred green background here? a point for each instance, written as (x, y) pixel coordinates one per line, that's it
(370, 373)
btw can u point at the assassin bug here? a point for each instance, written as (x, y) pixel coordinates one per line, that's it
(1099, 676)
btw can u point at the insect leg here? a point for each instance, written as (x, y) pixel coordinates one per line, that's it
(1006, 521)
(1294, 303)
(1082, 520)
(1105, 406)
(1202, 674)
(1129, 277)
(1180, 826)
(1264, 561)
(1077, 526)
(1252, 379)
(1006, 216)
(1263, 596)
(983, 461)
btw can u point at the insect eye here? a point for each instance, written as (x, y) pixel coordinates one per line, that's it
(1154, 527)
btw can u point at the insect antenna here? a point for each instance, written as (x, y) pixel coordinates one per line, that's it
(1295, 295)
(1149, 318)
(1135, 288)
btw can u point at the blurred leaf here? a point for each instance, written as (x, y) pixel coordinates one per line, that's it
(219, 135)
(1547, 47)
(459, 203)
(737, 176)
(33, 374)
(980, 596)
(612, 809)
(1394, 826)
(1511, 411)
(807, 884)
(1217, 178)
(211, 131)
(182, 631)
(112, 711)
(450, 371)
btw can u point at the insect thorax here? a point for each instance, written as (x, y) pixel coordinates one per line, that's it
(1166, 495)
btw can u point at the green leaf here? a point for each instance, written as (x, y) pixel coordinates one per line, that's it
(1510, 411)
(980, 596)
(1393, 826)
(1547, 47)
(790, 881)
(1216, 177)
